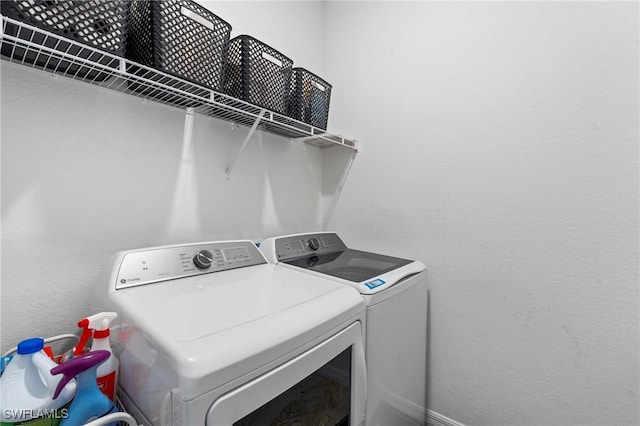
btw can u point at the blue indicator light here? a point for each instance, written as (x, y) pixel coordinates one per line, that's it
(375, 283)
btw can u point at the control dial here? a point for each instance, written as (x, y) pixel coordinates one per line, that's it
(203, 259)
(314, 244)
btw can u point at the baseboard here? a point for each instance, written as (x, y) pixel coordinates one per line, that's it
(436, 419)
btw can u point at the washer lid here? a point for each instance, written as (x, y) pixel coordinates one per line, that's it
(325, 254)
(352, 265)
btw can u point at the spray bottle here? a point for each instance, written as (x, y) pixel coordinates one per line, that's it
(107, 374)
(90, 403)
(27, 387)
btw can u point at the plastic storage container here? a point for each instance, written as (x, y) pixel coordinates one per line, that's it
(100, 24)
(181, 38)
(309, 98)
(258, 74)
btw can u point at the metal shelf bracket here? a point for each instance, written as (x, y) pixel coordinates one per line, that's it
(245, 143)
(341, 182)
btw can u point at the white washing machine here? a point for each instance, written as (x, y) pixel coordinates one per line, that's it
(211, 334)
(395, 292)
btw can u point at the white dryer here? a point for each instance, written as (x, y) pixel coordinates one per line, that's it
(395, 292)
(211, 334)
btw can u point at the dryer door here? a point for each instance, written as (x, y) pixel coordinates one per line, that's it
(325, 385)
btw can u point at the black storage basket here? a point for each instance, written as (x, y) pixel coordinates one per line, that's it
(257, 73)
(101, 24)
(309, 97)
(181, 38)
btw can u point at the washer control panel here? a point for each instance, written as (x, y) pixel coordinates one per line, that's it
(146, 266)
(307, 245)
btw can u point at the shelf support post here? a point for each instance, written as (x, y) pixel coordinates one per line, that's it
(187, 136)
(334, 201)
(246, 141)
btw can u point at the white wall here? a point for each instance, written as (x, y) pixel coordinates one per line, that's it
(87, 172)
(501, 148)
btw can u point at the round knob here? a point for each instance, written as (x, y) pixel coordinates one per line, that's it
(203, 259)
(314, 244)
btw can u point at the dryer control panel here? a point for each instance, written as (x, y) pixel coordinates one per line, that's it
(146, 266)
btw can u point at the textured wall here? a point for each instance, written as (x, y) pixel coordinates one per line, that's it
(501, 148)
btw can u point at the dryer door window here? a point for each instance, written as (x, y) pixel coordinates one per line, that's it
(322, 398)
(325, 385)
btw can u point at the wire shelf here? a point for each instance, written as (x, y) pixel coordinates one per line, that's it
(36, 48)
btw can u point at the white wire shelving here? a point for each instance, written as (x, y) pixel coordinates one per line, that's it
(36, 48)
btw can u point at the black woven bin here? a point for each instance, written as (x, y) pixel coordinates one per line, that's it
(100, 24)
(181, 38)
(309, 98)
(257, 73)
